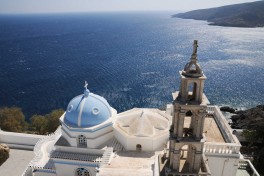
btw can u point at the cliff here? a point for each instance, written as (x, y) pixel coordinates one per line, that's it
(238, 15)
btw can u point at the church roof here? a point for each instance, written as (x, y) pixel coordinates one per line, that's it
(87, 110)
(143, 122)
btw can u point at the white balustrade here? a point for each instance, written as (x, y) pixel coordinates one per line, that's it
(232, 145)
(221, 148)
(222, 124)
(35, 164)
(245, 165)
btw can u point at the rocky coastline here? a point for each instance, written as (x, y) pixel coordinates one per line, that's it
(246, 119)
(238, 15)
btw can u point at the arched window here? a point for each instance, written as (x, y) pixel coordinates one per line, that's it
(234, 132)
(192, 91)
(138, 147)
(82, 172)
(82, 141)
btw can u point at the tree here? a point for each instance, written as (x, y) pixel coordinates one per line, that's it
(260, 134)
(259, 161)
(251, 136)
(12, 119)
(39, 123)
(53, 120)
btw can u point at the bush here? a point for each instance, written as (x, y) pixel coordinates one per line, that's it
(258, 161)
(39, 123)
(12, 119)
(53, 120)
(47, 123)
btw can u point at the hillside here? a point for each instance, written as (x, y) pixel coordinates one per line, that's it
(238, 15)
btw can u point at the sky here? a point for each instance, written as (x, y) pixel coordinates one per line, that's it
(58, 6)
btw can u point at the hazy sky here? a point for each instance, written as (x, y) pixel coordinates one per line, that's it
(46, 6)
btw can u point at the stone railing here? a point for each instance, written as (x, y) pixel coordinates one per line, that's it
(76, 156)
(186, 174)
(45, 170)
(22, 141)
(28, 172)
(35, 164)
(37, 150)
(221, 121)
(106, 156)
(210, 109)
(248, 166)
(232, 145)
(221, 148)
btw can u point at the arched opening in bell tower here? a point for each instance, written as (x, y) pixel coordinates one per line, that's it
(187, 127)
(187, 158)
(192, 87)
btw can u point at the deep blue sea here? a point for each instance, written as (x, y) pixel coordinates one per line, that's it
(131, 59)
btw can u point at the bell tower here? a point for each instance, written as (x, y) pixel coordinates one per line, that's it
(189, 110)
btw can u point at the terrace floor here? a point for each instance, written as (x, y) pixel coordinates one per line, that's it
(17, 162)
(211, 129)
(130, 163)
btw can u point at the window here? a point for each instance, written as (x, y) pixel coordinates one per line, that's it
(82, 172)
(70, 108)
(82, 141)
(95, 111)
(138, 147)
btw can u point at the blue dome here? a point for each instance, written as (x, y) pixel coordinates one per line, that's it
(87, 110)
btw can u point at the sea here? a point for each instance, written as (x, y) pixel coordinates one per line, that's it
(132, 59)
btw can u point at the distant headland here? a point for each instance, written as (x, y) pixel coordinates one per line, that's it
(238, 15)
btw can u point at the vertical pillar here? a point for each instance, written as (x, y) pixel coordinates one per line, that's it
(181, 124)
(195, 91)
(176, 160)
(192, 122)
(176, 119)
(185, 90)
(199, 126)
(197, 161)
(171, 155)
(202, 122)
(189, 154)
(192, 158)
(201, 90)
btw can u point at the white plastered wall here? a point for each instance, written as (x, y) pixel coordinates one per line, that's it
(19, 140)
(42, 173)
(221, 166)
(65, 168)
(147, 143)
(99, 137)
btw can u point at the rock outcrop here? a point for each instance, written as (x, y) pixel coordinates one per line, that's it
(227, 109)
(249, 119)
(4, 153)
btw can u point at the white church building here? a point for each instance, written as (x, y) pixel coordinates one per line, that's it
(189, 138)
